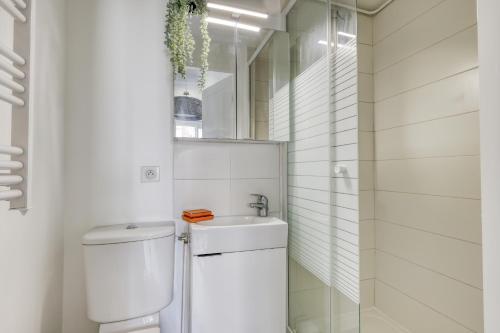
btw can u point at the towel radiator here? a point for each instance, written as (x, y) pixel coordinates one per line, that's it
(15, 98)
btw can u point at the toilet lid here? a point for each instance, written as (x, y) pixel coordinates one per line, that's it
(131, 232)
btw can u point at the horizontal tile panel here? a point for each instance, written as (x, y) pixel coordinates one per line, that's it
(399, 14)
(453, 217)
(454, 95)
(409, 312)
(428, 66)
(453, 258)
(444, 176)
(456, 300)
(445, 20)
(452, 136)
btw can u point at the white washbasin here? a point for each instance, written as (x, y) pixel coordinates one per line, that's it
(238, 233)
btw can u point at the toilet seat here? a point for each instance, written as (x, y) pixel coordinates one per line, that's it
(146, 324)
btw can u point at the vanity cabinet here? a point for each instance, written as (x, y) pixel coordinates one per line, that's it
(239, 292)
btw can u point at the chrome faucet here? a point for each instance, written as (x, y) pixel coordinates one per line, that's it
(262, 205)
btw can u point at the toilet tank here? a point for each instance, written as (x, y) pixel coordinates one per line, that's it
(129, 270)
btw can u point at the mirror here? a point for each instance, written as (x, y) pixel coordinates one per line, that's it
(270, 90)
(246, 95)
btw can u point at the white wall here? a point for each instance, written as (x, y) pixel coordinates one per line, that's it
(31, 245)
(118, 119)
(489, 55)
(427, 200)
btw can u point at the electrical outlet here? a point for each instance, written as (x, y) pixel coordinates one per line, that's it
(150, 174)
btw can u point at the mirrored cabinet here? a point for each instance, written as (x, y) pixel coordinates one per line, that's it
(246, 92)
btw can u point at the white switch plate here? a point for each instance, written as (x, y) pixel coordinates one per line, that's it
(150, 174)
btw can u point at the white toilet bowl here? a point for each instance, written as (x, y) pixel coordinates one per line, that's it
(129, 273)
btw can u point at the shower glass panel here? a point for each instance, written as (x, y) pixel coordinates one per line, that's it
(323, 205)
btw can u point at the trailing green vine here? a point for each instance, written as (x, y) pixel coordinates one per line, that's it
(179, 39)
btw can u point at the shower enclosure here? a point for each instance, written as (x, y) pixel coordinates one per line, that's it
(383, 168)
(324, 161)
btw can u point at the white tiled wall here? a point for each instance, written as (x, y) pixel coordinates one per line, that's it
(221, 176)
(428, 273)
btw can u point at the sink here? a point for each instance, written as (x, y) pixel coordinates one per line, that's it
(238, 233)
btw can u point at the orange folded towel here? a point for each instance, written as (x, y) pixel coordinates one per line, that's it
(197, 215)
(197, 219)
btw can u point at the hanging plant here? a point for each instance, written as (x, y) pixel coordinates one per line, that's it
(179, 39)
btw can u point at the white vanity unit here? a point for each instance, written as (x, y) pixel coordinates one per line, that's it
(238, 275)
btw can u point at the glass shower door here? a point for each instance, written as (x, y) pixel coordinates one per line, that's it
(324, 235)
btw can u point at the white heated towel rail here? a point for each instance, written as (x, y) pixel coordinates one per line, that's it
(15, 98)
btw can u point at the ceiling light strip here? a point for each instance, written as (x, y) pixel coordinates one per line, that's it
(233, 24)
(237, 10)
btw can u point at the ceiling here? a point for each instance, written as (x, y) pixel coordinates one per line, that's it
(370, 4)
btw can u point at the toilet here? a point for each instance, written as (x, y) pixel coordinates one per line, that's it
(129, 273)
